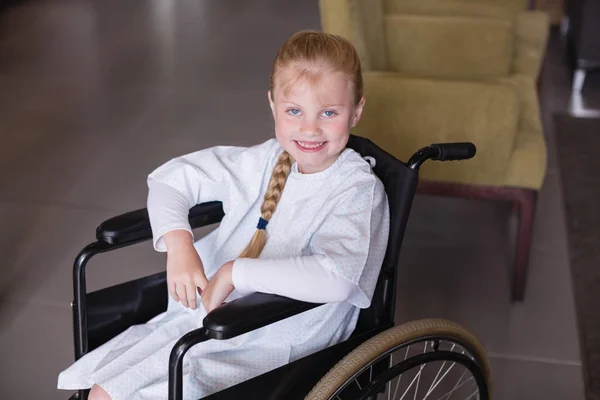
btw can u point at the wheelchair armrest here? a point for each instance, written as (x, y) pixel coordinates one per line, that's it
(230, 320)
(134, 226)
(251, 312)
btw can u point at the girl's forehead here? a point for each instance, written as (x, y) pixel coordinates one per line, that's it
(330, 87)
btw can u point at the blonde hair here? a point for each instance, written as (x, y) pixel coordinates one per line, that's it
(311, 53)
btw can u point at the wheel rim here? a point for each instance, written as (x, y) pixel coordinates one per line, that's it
(433, 368)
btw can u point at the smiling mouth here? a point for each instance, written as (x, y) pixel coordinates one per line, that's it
(310, 146)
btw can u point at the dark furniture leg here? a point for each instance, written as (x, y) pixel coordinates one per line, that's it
(525, 207)
(523, 202)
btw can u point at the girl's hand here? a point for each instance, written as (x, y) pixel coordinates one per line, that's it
(185, 271)
(219, 287)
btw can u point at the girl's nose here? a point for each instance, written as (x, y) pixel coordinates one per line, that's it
(311, 128)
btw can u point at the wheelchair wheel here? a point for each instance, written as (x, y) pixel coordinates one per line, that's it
(425, 359)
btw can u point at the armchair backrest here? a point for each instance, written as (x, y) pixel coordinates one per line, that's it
(438, 38)
(403, 114)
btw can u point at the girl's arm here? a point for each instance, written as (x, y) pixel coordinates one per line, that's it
(168, 210)
(199, 177)
(180, 184)
(185, 271)
(301, 278)
(347, 253)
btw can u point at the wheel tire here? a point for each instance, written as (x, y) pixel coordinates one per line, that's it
(372, 349)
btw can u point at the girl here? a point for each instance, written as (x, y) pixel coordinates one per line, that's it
(322, 231)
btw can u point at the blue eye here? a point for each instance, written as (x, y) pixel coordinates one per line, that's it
(329, 113)
(293, 111)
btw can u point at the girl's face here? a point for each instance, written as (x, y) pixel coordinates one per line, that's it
(313, 118)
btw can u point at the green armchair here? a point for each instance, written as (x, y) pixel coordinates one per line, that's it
(455, 70)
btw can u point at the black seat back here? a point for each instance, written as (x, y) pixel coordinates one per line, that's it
(400, 183)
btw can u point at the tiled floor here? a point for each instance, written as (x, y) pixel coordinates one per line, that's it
(95, 94)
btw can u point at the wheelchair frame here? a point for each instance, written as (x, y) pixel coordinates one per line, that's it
(259, 309)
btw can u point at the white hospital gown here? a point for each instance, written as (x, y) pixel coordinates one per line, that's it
(338, 218)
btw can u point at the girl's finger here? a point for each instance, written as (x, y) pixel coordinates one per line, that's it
(173, 290)
(204, 300)
(200, 283)
(181, 291)
(191, 292)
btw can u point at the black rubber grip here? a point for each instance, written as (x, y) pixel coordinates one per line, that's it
(251, 312)
(135, 225)
(454, 151)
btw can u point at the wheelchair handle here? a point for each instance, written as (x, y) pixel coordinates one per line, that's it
(443, 152)
(454, 151)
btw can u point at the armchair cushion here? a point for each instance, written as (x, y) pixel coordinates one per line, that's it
(532, 30)
(405, 113)
(449, 46)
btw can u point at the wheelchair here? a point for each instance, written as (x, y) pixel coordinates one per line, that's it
(424, 359)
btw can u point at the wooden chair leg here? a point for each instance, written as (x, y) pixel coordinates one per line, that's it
(525, 205)
(523, 202)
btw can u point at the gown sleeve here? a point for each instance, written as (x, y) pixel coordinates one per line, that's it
(206, 175)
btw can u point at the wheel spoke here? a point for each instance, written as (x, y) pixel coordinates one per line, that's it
(434, 383)
(456, 386)
(358, 384)
(447, 395)
(441, 375)
(400, 376)
(419, 378)
(389, 384)
(472, 394)
(413, 381)
(418, 382)
(431, 389)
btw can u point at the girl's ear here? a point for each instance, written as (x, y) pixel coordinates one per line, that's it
(358, 111)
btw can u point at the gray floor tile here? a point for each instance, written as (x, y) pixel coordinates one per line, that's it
(20, 231)
(545, 324)
(210, 117)
(41, 256)
(47, 169)
(526, 380)
(549, 225)
(36, 344)
(117, 181)
(460, 270)
(183, 122)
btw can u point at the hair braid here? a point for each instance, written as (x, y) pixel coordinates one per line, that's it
(276, 184)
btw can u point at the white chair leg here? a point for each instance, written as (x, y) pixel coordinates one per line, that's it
(579, 79)
(564, 26)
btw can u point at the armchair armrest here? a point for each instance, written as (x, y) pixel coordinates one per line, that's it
(251, 312)
(134, 226)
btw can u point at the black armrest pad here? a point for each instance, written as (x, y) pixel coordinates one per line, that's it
(251, 312)
(134, 226)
